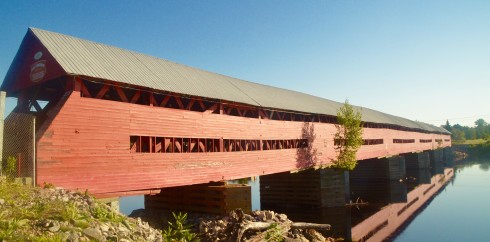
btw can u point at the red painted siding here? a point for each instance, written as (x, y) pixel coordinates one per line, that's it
(86, 146)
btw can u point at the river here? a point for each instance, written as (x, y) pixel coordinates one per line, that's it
(457, 212)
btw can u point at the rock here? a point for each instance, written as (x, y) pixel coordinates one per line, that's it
(73, 237)
(123, 229)
(54, 227)
(247, 217)
(112, 238)
(2, 201)
(104, 227)
(281, 217)
(268, 215)
(261, 217)
(314, 236)
(94, 234)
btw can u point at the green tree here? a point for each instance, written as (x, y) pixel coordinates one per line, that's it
(481, 129)
(348, 138)
(447, 126)
(481, 123)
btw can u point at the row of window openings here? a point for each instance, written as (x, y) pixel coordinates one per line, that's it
(149, 144)
(121, 94)
(364, 141)
(404, 141)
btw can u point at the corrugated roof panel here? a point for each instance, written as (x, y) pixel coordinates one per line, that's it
(87, 58)
(178, 78)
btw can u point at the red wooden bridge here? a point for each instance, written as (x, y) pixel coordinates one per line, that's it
(119, 122)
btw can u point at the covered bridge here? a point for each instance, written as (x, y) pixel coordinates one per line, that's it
(118, 122)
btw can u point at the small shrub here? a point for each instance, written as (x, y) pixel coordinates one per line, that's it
(47, 185)
(274, 233)
(10, 167)
(180, 230)
(71, 212)
(106, 214)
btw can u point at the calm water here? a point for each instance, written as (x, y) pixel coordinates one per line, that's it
(459, 213)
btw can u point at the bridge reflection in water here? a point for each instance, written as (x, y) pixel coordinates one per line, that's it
(391, 203)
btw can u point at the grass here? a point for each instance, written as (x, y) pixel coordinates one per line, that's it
(469, 142)
(23, 208)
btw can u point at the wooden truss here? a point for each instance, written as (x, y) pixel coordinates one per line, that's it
(150, 144)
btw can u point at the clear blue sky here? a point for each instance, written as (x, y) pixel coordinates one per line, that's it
(422, 60)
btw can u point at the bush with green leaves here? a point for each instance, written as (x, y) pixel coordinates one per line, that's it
(348, 138)
(180, 230)
(10, 167)
(274, 233)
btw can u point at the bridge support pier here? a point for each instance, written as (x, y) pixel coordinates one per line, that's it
(379, 180)
(211, 198)
(418, 168)
(390, 168)
(448, 156)
(310, 188)
(436, 161)
(414, 161)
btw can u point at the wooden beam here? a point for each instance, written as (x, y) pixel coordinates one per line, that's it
(179, 102)
(121, 94)
(166, 142)
(212, 108)
(202, 146)
(192, 144)
(263, 114)
(189, 105)
(136, 96)
(228, 110)
(83, 88)
(102, 91)
(36, 105)
(165, 101)
(201, 103)
(177, 145)
(77, 86)
(153, 101)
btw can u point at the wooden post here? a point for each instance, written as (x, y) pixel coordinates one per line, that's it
(2, 111)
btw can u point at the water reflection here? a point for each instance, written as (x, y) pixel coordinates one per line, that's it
(392, 204)
(459, 212)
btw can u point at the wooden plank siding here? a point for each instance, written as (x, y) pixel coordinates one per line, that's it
(86, 145)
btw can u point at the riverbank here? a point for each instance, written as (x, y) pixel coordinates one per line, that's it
(237, 226)
(471, 149)
(53, 214)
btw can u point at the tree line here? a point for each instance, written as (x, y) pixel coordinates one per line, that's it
(481, 130)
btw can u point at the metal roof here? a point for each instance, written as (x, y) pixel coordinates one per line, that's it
(82, 57)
